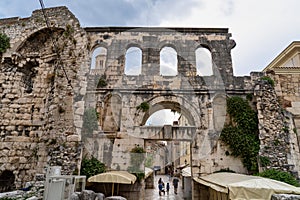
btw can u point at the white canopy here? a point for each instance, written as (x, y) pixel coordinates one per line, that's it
(186, 172)
(240, 186)
(114, 177)
(148, 172)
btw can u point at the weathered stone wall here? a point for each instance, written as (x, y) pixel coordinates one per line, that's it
(287, 90)
(46, 85)
(278, 141)
(200, 99)
(37, 113)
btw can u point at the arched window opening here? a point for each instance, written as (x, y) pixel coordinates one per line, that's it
(99, 58)
(133, 61)
(204, 62)
(163, 117)
(168, 62)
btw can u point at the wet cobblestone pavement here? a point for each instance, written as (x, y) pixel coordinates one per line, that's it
(152, 194)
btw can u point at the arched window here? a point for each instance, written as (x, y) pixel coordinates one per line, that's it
(133, 61)
(99, 58)
(203, 62)
(168, 62)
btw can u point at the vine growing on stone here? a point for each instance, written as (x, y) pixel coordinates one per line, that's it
(241, 133)
(4, 43)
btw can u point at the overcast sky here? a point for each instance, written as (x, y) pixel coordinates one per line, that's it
(260, 28)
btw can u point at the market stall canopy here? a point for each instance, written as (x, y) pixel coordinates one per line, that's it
(186, 172)
(148, 172)
(240, 186)
(122, 177)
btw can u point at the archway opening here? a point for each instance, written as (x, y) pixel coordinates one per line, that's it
(99, 58)
(133, 61)
(7, 179)
(204, 62)
(168, 62)
(168, 157)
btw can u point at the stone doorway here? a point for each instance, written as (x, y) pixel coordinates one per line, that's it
(7, 179)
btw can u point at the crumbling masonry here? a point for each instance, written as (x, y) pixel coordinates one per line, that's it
(47, 84)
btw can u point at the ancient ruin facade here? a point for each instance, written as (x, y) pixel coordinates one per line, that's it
(48, 85)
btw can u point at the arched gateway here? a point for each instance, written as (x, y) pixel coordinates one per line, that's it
(125, 102)
(68, 91)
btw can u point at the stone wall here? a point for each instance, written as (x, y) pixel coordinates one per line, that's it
(46, 85)
(37, 127)
(278, 141)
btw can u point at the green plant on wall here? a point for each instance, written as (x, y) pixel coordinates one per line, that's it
(90, 121)
(102, 82)
(91, 167)
(241, 133)
(268, 80)
(137, 156)
(4, 43)
(279, 176)
(144, 106)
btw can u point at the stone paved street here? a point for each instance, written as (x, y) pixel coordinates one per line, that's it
(152, 194)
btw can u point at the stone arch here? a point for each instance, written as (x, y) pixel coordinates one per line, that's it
(177, 103)
(37, 40)
(133, 61)
(7, 179)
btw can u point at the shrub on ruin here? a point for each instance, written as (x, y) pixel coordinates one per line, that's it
(91, 167)
(102, 82)
(279, 176)
(4, 43)
(144, 106)
(268, 80)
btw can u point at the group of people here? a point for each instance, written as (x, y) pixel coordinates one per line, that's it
(163, 189)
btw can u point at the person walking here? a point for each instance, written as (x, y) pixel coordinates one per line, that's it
(175, 184)
(168, 188)
(160, 188)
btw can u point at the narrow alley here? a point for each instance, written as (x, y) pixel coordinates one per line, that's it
(153, 194)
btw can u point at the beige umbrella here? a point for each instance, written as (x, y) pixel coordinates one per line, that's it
(113, 177)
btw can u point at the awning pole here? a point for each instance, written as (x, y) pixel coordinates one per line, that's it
(104, 188)
(112, 190)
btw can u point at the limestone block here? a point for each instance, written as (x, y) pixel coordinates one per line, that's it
(87, 195)
(23, 160)
(78, 124)
(13, 160)
(79, 111)
(79, 104)
(73, 138)
(5, 101)
(296, 104)
(17, 139)
(10, 128)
